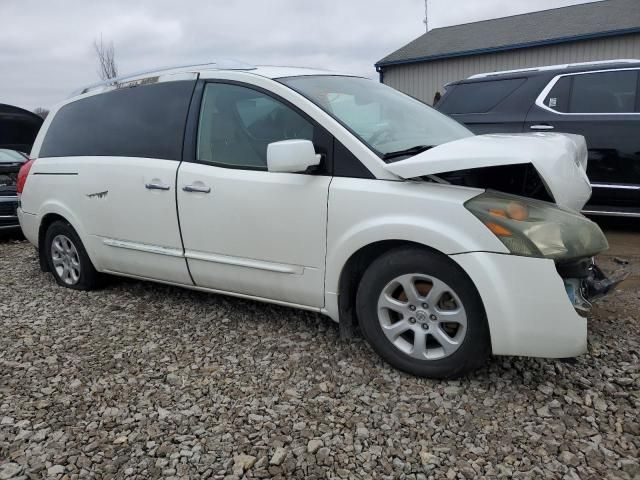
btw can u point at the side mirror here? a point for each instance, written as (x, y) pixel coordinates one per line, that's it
(291, 156)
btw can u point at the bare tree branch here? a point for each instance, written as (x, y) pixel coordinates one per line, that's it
(41, 112)
(106, 59)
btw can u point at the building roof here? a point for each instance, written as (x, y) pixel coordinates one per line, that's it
(598, 19)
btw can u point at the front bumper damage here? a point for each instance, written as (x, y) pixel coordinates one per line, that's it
(586, 283)
(526, 306)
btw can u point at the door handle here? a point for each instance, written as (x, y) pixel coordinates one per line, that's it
(156, 186)
(542, 127)
(196, 188)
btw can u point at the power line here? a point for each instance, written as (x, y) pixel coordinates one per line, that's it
(426, 15)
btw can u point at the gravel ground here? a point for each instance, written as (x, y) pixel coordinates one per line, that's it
(143, 380)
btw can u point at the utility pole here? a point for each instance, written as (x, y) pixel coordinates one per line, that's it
(426, 15)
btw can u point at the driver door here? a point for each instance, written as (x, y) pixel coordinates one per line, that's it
(246, 230)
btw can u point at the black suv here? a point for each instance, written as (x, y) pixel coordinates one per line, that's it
(599, 100)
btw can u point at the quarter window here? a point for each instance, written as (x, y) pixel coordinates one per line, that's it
(238, 123)
(606, 92)
(479, 97)
(144, 121)
(558, 98)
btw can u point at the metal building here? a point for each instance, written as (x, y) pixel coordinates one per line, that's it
(602, 30)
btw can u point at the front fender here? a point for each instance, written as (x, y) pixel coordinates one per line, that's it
(365, 212)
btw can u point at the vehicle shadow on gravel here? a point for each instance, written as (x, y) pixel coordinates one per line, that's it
(288, 324)
(11, 236)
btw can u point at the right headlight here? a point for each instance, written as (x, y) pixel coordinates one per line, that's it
(533, 228)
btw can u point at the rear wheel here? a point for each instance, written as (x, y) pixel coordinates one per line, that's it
(67, 258)
(422, 314)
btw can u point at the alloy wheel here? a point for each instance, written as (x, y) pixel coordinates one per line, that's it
(65, 259)
(422, 316)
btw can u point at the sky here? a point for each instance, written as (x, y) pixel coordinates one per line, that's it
(46, 46)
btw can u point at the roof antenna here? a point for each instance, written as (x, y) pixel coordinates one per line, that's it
(426, 15)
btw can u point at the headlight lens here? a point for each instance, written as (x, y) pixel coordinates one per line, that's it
(533, 228)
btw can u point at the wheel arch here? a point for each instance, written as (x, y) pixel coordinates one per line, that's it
(352, 272)
(50, 214)
(357, 264)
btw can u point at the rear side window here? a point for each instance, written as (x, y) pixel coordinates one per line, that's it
(606, 92)
(479, 97)
(144, 121)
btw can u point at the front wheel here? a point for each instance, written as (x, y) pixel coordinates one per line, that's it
(421, 313)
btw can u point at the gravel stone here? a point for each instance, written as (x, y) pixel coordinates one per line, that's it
(428, 458)
(569, 458)
(75, 384)
(323, 454)
(55, 470)
(141, 380)
(245, 462)
(173, 379)
(314, 445)
(9, 470)
(278, 456)
(631, 467)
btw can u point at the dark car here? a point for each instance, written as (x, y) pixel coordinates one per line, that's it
(10, 163)
(18, 130)
(599, 100)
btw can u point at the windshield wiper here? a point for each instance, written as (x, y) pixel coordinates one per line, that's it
(407, 152)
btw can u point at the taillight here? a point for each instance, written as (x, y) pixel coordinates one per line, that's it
(23, 174)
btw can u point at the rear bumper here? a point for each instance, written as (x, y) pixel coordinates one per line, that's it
(527, 306)
(30, 224)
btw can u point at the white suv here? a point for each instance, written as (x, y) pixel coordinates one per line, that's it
(326, 192)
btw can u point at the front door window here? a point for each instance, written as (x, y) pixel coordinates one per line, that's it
(237, 123)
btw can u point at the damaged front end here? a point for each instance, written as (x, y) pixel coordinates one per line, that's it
(535, 186)
(533, 228)
(543, 166)
(586, 283)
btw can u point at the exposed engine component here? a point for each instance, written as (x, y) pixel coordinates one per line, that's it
(586, 283)
(519, 179)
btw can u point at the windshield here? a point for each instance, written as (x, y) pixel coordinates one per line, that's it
(391, 123)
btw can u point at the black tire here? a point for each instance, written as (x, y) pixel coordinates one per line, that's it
(88, 278)
(473, 349)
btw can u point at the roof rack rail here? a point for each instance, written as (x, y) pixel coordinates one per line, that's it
(553, 67)
(220, 64)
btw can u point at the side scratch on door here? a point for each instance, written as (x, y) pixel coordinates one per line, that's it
(98, 194)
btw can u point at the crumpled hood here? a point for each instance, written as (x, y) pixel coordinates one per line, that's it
(560, 159)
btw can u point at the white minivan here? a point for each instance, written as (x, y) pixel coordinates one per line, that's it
(326, 192)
